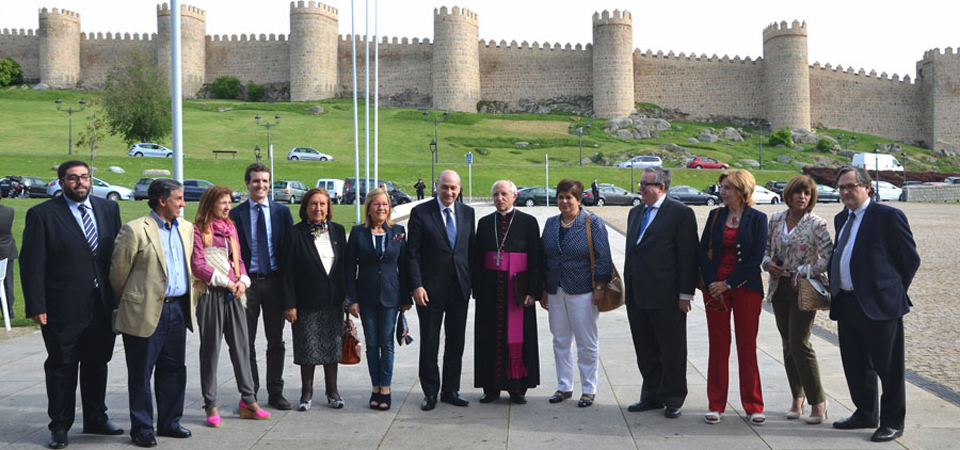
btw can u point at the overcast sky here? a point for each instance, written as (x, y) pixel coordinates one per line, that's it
(883, 36)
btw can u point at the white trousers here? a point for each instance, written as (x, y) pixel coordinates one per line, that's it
(574, 317)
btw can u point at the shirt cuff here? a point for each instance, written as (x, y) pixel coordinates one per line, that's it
(245, 280)
(687, 297)
(218, 279)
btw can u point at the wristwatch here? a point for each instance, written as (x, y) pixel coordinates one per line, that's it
(599, 288)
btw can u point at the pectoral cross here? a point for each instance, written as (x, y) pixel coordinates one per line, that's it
(498, 258)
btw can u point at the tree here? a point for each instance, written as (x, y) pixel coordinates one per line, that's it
(782, 136)
(137, 100)
(10, 72)
(95, 131)
(227, 88)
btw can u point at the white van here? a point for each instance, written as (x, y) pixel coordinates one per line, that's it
(870, 161)
(333, 186)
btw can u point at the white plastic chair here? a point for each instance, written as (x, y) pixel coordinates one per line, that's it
(3, 294)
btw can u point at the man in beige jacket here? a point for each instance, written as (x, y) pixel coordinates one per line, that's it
(151, 276)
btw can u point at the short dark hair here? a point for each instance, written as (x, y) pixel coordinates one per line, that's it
(255, 167)
(63, 168)
(662, 175)
(863, 176)
(161, 188)
(571, 186)
(308, 196)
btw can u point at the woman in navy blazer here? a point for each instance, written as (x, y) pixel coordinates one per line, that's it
(731, 250)
(377, 288)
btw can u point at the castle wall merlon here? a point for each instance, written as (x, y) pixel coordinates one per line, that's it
(773, 30)
(693, 57)
(456, 11)
(322, 9)
(163, 10)
(16, 32)
(99, 36)
(60, 14)
(492, 44)
(617, 18)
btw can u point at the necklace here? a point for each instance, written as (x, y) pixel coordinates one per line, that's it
(567, 224)
(503, 241)
(734, 219)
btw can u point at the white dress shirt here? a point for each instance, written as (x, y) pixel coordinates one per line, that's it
(846, 282)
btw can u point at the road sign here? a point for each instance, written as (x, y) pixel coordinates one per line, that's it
(469, 157)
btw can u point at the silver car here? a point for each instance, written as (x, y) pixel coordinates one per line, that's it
(290, 191)
(150, 150)
(642, 162)
(307, 154)
(99, 187)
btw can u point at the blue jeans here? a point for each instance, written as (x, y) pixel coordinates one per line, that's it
(379, 323)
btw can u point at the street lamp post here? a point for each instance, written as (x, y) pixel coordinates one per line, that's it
(433, 160)
(876, 162)
(579, 131)
(760, 127)
(436, 125)
(70, 112)
(904, 156)
(267, 124)
(256, 151)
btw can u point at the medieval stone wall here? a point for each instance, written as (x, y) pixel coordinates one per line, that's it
(520, 72)
(24, 47)
(406, 78)
(99, 52)
(260, 59)
(939, 74)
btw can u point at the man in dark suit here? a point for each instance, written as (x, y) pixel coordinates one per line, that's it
(8, 251)
(874, 261)
(64, 270)
(439, 242)
(660, 274)
(261, 225)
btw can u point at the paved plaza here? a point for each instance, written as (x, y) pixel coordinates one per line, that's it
(932, 423)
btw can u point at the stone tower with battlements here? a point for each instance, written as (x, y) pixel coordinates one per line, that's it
(313, 51)
(193, 45)
(786, 76)
(59, 48)
(456, 60)
(613, 64)
(938, 75)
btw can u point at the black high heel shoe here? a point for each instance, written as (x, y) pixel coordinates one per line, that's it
(335, 403)
(586, 400)
(374, 400)
(385, 402)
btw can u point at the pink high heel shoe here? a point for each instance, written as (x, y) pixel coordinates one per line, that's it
(247, 413)
(213, 421)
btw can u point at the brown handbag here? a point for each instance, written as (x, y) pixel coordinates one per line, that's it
(613, 297)
(813, 294)
(351, 344)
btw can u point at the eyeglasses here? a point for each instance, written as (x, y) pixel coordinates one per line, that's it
(379, 205)
(848, 187)
(75, 178)
(644, 184)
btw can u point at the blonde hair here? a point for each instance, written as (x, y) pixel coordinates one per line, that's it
(367, 223)
(742, 182)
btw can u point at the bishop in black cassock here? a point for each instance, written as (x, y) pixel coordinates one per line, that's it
(508, 253)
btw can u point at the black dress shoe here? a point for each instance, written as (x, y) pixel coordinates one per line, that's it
(453, 398)
(517, 398)
(429, 402)
(279, 402)
(885, 434)
(853, 423)
(671, 412)
(644, 405)
(58, 439)
(179, 432)
(488, 398)
(106, 428)
(560, 396)
(144, 440)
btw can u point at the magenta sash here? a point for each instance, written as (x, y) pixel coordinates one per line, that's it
(511, 263)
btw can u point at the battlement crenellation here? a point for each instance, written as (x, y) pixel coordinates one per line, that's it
(16, 32)
(312, 7)
(796, 28)
(456, 12)
(99, 36)
(59, 14)
(163, 10)
(615, 18)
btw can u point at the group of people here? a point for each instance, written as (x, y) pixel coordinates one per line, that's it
(86, 277)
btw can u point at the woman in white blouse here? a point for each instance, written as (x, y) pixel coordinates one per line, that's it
(314, 294)
(797, 240)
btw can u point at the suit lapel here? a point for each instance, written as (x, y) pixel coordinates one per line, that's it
(311, 247)
(438, 221)
(153, 235)
(65, 215)
(244, 213)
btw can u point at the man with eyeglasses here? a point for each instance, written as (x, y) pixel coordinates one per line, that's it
(64, 271)
(873, 263)
(660, 274)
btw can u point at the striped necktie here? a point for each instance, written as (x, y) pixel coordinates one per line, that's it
(89, 231)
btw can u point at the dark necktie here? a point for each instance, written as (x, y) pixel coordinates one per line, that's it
(263, 247)
(89, 231)
(451, 228)
(644, 221)
(835, 262)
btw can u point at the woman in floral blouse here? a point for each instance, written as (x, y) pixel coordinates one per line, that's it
(798, 239)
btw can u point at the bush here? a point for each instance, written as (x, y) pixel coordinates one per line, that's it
(782, 136)
(226, 87)
(10, 72)
(255, 92)
(824, 145)
(482, 151)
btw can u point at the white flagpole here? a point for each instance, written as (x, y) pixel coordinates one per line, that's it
(376, 90)
(366, 94)
(356, 124)
(176, 85)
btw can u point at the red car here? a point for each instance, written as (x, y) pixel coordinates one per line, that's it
(702, 162)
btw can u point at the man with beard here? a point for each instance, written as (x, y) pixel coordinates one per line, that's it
(507, 280)
(440, 236)
(64, 270)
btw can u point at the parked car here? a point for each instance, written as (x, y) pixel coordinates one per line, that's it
(150, 150)
(290, 191)
(642, 162)
(140, 189)
(611, 195)
(887, 191)
(762, 195)
(194, 188)
(33, 187)
(536, 196)
(776, 186)
(397, 196)
(951, 180)
(307, 154)
(692, 196)
(702, 162)
(827, 194)
(333, 186)
(99, 188)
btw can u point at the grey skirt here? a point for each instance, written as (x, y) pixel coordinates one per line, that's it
(318, 336)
